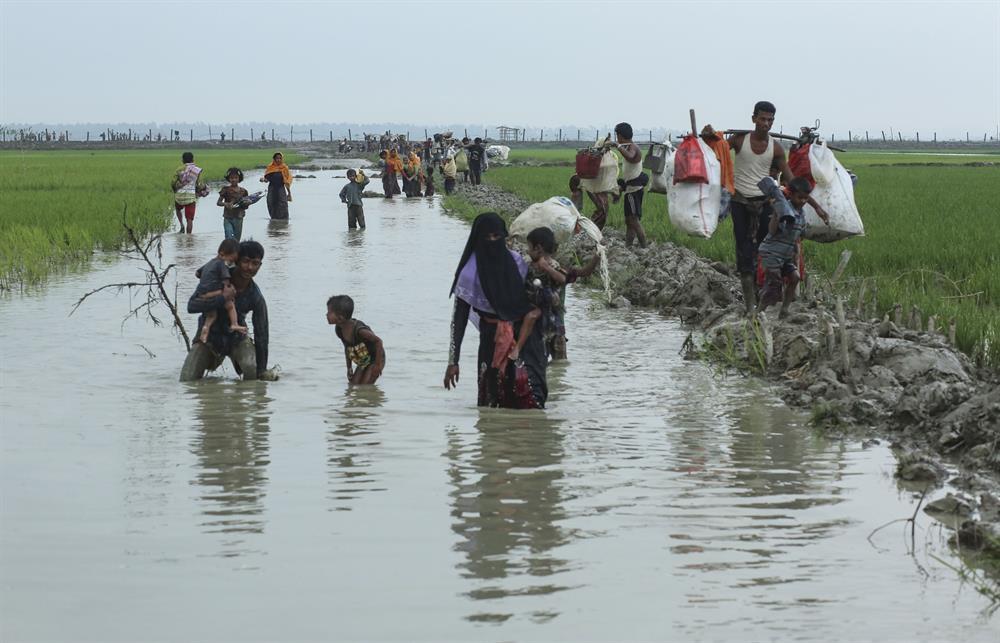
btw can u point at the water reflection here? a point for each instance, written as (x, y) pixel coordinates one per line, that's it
(351, 443)
(233, 453)
(507, 505)
(277, 228)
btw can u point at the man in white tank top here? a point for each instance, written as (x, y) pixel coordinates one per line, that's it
(757, 155)
(631, 183)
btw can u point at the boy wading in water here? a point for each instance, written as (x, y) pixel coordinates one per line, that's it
(779, 251)
(362, 348)
(214, 277)
(351, 194)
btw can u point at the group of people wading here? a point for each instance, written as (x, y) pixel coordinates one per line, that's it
(516, 304)
(189, 183)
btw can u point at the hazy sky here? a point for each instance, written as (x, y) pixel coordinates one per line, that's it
(912, 66)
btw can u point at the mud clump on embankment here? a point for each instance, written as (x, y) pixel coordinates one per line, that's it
(866, 378)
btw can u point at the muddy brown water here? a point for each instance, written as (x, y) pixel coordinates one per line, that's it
(652, 500)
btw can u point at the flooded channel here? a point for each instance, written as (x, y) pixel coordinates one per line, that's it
(653, 499)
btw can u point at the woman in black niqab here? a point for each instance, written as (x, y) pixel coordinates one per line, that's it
(489, 280)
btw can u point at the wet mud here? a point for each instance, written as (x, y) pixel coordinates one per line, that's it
(939, 411)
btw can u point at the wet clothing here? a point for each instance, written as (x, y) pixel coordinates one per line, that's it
(231, 194)
(489, 282)
(355, 216)
(188, 180)
(212, 276)
(353, 192)
(633, 204)
(750, 217)
(277, 196)
(511, 385)
(429, 183)
(360, 351)
(224, 341)
(389, 184)
(232, 218)
(781, 247)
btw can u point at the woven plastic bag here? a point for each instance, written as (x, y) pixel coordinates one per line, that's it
(834, 191)
(694, 207)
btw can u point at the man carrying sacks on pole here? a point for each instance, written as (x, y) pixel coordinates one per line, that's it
(757, 155)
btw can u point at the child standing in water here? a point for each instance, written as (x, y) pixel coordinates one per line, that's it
(351, 194)
(214, 277)
(362, 348)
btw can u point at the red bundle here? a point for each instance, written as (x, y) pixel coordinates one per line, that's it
(798, 163)
(588, 163)
(689, 162)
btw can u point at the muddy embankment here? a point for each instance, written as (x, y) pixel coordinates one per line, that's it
(869, 377)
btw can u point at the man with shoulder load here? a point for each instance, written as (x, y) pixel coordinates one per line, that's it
(631, 184)
(757, 155)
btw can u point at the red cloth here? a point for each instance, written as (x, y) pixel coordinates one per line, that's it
(503, 343)
(798, 163)
(689, 162)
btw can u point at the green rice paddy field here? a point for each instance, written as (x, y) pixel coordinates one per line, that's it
(932, 233)
(57, 207)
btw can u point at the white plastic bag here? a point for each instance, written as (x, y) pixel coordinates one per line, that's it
(500, 152)
(607, 176)
(660, 183)
(558, 213)
(694, 207)
(834, 191)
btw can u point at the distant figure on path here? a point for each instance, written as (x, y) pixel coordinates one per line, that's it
(188, 185)
(279, 187)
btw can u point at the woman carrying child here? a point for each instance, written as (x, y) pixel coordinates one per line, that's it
(489, 282)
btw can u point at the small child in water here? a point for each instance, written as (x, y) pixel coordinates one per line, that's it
(362, 348)
(213, 277)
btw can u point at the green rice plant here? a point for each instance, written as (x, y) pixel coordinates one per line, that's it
(58, 207)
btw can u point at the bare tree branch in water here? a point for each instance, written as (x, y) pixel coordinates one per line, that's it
(154, 283)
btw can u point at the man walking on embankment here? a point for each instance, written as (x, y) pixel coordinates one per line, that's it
(757, 154)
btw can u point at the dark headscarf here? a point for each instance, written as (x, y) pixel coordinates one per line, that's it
(498, 273)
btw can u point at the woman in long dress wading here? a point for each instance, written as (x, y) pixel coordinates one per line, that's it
(279, 187)
(489, 289)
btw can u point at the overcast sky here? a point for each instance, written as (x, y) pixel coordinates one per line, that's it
(912, 66)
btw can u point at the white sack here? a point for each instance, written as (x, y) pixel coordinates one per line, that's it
(558, 213)
(607, 176)
(694, 207)
(498, 152)
(834, 191)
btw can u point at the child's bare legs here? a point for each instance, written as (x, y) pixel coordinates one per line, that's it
(206, 325)
(789, 296)
(527, 325)
(234, 321)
